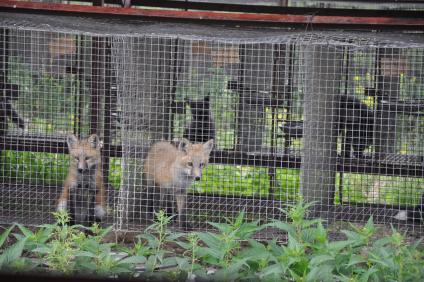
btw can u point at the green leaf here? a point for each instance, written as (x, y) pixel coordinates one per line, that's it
(356, 259)
(25, 231)
(320, 259)
(282, 226)
(5, 235)
(222, 227)
(206, 253)
(12, 253)
(339, 245)
(321, 273)
(365, 277)
(212, 240)
(133, 260)
(85, 254)
(174, 236)
(151, 263)
(42, 250)
(274, 269)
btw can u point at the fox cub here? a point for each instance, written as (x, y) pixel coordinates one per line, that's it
(84, 182)
(172, 169)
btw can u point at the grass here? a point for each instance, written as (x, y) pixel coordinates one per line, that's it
(225, 180)
(45, 168)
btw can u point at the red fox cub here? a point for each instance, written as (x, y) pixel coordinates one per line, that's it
(84, 183)
(172, 169)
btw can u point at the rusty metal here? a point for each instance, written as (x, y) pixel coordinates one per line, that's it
(356, 18)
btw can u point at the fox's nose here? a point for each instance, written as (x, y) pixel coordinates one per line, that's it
(80, 170)
(197, 178)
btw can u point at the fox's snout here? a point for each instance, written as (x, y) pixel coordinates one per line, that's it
(81, 170)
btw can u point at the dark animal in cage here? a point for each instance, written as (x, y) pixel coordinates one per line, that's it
(172, 170)
(416, 214)
(355, 120)
(7, 112)
(83, 186)
(202, 125)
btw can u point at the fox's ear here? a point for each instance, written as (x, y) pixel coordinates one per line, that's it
(94, 141)
(184, 145)
(207, 98)
(208, 146)
(72, 140)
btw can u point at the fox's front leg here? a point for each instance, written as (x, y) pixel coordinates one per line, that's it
(100, 207)
(62, 203)
(181, 199)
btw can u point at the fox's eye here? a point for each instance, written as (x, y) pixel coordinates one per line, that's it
(190, 164)
(202, 165)
(87, 158)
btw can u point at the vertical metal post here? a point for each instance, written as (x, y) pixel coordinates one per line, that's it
(343, 134)
(97, 47)
(107, 121)
(288, 94)
(174, 82)
(4, 58)
(240, 108)
(276, 79)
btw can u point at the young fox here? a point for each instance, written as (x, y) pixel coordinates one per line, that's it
(172, 170)
(84, 177)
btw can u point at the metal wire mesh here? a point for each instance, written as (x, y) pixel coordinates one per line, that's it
(329, 117)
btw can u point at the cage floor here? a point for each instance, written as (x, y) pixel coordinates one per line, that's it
(33, 205)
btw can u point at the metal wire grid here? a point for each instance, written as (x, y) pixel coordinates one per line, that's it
(334, 119)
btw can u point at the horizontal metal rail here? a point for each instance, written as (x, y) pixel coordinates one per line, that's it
(231, 157)
(287, 16)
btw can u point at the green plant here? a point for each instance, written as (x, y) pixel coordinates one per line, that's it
(228, 254)
(156, 236)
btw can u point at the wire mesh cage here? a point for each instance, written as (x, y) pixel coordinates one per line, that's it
(205, 122)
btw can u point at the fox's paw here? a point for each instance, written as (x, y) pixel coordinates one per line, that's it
(62, 205)
(99, 211)
(402, 215)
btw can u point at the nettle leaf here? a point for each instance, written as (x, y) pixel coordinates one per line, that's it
(5, 235)
(25, 231)
(211, 240)
(210, 255)
(246, 230)
(273, 270)
(365, 277)
(85, 254)
(281, 226)
(151, 263)
(320, 259)
(356, 259)
(174, 236)
(321, 273)
(133, 260)
(340, 245)
(103, 232)
(222, 227)
(183, 263)
(12, 253)
(184, 245)
(42, 250)
(152, 241)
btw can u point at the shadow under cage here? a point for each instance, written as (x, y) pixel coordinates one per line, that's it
(330, 117)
